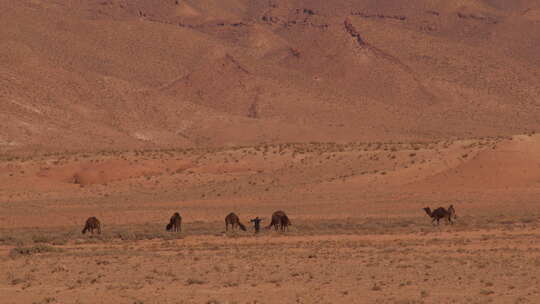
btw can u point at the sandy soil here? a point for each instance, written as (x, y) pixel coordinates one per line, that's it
(359, 233)
(496, 265)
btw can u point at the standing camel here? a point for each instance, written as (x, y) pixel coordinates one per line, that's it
(441, 213)
(280, 220)
(91, 224)
(233, 220)
(175, 223)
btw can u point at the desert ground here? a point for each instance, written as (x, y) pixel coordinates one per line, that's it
(351, 116)
(358, 234)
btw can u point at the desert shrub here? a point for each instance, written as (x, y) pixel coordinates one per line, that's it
(194, 281)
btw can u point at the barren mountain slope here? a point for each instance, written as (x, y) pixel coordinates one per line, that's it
(90, 75)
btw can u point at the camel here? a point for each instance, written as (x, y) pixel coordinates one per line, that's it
(175, 223)
(233, 220)
(91, 224)
(256, 224)
(441, 213)
(279, 220)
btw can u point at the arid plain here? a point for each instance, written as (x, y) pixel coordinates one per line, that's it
(349, 115)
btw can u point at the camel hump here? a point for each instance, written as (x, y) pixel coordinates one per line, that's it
(231, 218)
(280, 213)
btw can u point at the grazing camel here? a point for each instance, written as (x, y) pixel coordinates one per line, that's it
(91, 224)
(279, 220)
(175, 223)
(233, 220)
(256, 224)
(441, 213)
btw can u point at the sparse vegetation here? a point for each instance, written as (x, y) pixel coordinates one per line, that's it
(25, 251)
(350, 225)
(192, 281)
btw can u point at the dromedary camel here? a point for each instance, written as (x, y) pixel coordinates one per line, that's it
(91, 224)
(441, 213)
(175, 223)
(279, 220)
(233, 220)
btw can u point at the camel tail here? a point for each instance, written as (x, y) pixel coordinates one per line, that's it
(84, 230)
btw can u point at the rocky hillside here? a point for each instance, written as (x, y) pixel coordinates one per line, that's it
(116, 74)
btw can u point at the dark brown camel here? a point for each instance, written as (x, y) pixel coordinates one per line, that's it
(233, 220)
(91, 224)
(441, 213)
(280, 220)
(175, 223)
